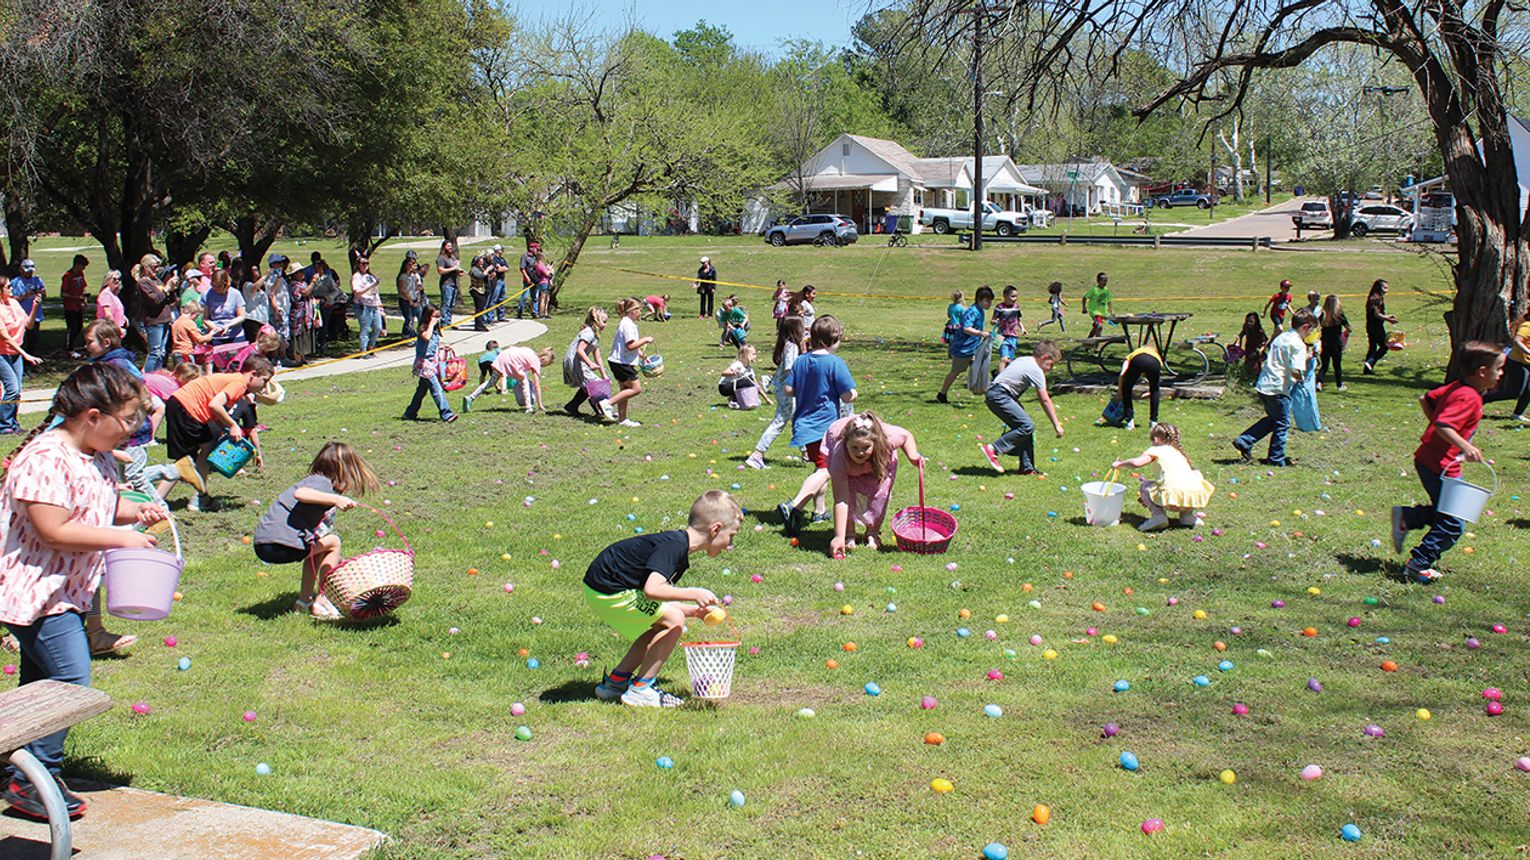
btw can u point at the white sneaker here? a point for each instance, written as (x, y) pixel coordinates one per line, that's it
(1130, 425)
(630, 423)
(1343, 388)
(1399, 531)
(755, 461)
(1154, 523)
(1188, 518)
(608, 410)
(650, 697)
(608, 691)
(1523, 419)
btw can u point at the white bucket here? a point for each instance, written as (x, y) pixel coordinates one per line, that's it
(1464, 500)
(1103, 501)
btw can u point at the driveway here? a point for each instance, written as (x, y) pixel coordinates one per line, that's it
(1274, 222)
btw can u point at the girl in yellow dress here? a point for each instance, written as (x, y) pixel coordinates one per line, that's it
(1180, 490)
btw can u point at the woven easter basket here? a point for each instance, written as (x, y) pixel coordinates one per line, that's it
(375, 582)
(922, 530)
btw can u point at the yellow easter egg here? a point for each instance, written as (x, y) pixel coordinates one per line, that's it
(1422, 713)
(715, 616)
(504, 556)
(488, 524)
(1199, 614)
(1049, 654)
(1274, 522)
(557, 536)
(847, 609)
(1141, 547)
(1002, 619)
(1314, 591)
(1227, 777)
(1162, 580)
(941, 786)
(1109, 639)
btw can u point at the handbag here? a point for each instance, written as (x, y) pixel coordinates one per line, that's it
(597, 389)
(978, 376)
(451, 368)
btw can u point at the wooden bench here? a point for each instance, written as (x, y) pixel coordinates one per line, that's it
(1103, 340)
(35, 711)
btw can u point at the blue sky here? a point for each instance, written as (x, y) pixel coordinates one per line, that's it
(756, 24)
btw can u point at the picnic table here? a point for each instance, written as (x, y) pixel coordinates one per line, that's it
(1150, 327)
(34, 711)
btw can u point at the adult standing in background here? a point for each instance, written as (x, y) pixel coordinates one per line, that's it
(498, 268)
(478, 288)
(73, 293)
(223, 307)
(14, 322)
(30, 291)
(1376, 319)
(528, 267)
(207, 263)
(155, 301)
(706, 285)
(368, 305)
(324, 287)
(257, 305)
(411, 292)
(279, 295)
(109, 303)
(449, 267)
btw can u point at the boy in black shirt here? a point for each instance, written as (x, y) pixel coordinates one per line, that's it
(631, 586)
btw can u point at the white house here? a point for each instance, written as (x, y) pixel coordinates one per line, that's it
(1435, 224)
(860, 177)
(1085, 186)
(1002, 182)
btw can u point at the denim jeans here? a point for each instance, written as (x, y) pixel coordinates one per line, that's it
(448, 301)
(411, 314)
(1275, 424)
(431, 384)
(496, 295)
(12, 369)
(528, 293)
(1020, 438)
(786, 407)
(53, 648)
(157, 335)
(1444, 529)
(369, 318)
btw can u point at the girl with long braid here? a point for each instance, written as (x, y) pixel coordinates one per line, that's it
(1179, 490)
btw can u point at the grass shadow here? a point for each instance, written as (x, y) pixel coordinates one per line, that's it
(1370, 565)
(92, 774)
(272, 608)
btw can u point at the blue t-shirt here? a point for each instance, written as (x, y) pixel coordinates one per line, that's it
(25, 289)
(818, 380)
(963, 343)
(221, 309)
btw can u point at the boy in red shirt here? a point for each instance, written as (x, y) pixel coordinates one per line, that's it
(1279, 305)
(72, 291)
(1453, 410)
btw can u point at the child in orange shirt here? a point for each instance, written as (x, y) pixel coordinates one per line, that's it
(185, 334)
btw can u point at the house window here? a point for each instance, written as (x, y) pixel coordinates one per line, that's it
(918, 197)
(844, 150)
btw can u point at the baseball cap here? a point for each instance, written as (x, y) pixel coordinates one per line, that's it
(706, 259)
(28, 266)
(412, 255)
(499, 247)
(275, 260)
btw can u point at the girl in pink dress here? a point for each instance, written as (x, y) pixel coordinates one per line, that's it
(863, 463)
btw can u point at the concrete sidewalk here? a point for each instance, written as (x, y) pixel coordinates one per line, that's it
(130, 824)
(1274, 222)
(466, 342)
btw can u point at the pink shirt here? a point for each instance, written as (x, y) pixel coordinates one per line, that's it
(109, 307)
(35, 580)
(161, 384)
(13, 318)
(517, 361)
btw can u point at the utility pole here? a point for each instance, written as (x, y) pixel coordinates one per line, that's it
(977, 128)
(1269, 149)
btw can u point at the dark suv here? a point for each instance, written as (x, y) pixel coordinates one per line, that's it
(815, 229)
(1184, 197)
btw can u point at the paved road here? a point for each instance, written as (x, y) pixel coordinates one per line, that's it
(1274, 222)
(467, 344)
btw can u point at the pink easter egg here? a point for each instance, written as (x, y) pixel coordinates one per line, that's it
(535, 620)
(1009, 496)
(1353, 622)
(1152, 825)
(1236, 631)
(995, 675)
(9, 669)
(839, 586)
(1036, 639)
(950, 565)
(915, 642)
(556, 564)
(897, 568)
(171, 641)
(1240, 709)
(1174, 601)
(1311, 772)
(1492, 694)
(928, 703)
(1216, 532)
(1088, 631)
(1259, 544)
(249, 716)
(1523, 763)
(1493, 709)
(509, 587)
(990, 634)
(1198, 539)
(756, 578)
(141, 708)
(517, 709)
(754, 649)
(1499, 628)
(727, 600)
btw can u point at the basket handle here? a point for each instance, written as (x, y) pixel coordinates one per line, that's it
(1110, 480)
(923, 526)
(731, 626)
(1461, 458)
(391, 524)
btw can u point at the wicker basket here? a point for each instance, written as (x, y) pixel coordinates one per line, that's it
(922, 530)
(374, 583)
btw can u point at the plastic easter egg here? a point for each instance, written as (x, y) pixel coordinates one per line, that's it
(1227, 777)
(928, 703)
(993, 711)
(1499, 628)
(1121, 686)
(1278, 604)
(1041, 814)
(262, 769)
(1109, 639)
(1034, 604)
(1350, 833)
(1472, 644)
(1314, 685)
(915, 642)
(1036, 639)
(891, 607)
(1383, 640)
(1219, 645)
(1309, 632)
(1129, 761)
(1001, 619)
(831, 664)
(941, 786)
(1049, 654)
(847, 609)
(1522, 764)
(249, 716)
(963, 632)
(1201, 681)
(509, 587)
(995, 675)
(990, 635)
(1143, 610)
(1439, 600)
(1388, 666)
(849, 647)
(183, 664)
(757, 578)
(1311, 772)
(1492, 694)
(873, 689)
(1240, 709)
(1353, 622)
(141, 708)
(523, 733)
(1423, 714)
(735, 798)
(1225, 666)
(839, 586)
(934, 739)
(664, 762)
(517, 709)
(995, 851)
(1374, 731)
(1173, 601)
(171, 641)
(1199, 615)
(1265, 652)
(1110, 730)
(1493, 709)
(1152, 825)
(9, 669)
(806, 713)
(533, 663)
(1009, 654)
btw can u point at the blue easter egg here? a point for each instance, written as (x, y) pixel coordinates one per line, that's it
(638, 530)
(963, 632)
(1051, 513)
(955, 506)
(892, 607)
(631, 517)
(263, 769)
(533, 663)
(183, 664)
(993, 711)
(1350, 833)
(664, 762)
(995, 851)
(1201, 681)
(1121, 686)
(1375, 543)
(1129, 761)
(734, 486)
(735, 798)
(1383, 640)
(1225, 665)
(872, 689)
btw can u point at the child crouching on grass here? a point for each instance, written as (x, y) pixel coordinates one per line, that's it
(863, 463)
(1453, 410)
(59, 503)
(522, 364)
(298, 525)
(1181, 489)
(631, 587)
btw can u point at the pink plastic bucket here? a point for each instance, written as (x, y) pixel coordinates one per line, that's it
(141, 583)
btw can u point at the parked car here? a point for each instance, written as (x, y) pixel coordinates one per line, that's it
(1374, 193)
(1380, 217)
(1005, 222)
(1184, 197)
(813, 229)
(1314, 215)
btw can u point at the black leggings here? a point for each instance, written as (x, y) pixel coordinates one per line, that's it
(705, 295)
(1515, 384)
(1376, 347)
(1333, 353)
(1140, 366)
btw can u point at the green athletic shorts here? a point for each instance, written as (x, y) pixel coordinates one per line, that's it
(627, 612)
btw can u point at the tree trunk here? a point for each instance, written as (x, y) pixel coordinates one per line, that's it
(17, 230)
(571, 257)
(255, 236)
(183, 247)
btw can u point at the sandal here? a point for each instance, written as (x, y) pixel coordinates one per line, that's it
(319, 607)
(103, 643)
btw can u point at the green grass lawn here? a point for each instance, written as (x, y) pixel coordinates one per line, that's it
(406, 725)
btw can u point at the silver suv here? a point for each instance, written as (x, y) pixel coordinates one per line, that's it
(815, 229)
(1314, 215)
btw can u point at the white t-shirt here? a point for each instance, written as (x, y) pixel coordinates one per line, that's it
(626, 332)
(1286, 355)
(1021, 375)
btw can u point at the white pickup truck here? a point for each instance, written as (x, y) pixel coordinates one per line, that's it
(995, 220)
